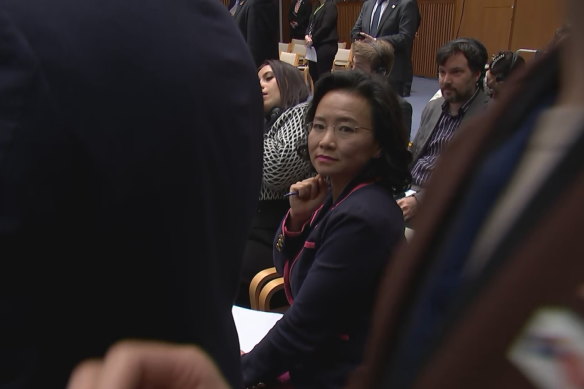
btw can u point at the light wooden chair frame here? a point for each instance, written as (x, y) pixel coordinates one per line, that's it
(291, 58)
(263, 286)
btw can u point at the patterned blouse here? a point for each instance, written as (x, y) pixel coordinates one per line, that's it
(282, 164)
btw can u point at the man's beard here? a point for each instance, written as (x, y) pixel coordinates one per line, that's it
(455, 96)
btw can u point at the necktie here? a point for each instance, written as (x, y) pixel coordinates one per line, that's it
(375, 20)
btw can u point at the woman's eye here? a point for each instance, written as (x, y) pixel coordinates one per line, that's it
(318, 127)
(346, 129)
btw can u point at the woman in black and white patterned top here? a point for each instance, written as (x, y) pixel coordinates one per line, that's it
(284, 93)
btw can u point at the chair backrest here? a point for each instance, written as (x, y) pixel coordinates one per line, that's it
(299, 49)
(343, 59)
(298, 41)
(284, 47)
(342, 45)
(291, 58)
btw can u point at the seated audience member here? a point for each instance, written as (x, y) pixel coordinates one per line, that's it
(502, 65)
(337, 236)
(284, 93)
(460, 66)
(128, 180)
(377, 57)
(484, 54)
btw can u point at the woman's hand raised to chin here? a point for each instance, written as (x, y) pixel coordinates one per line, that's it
(311, 194)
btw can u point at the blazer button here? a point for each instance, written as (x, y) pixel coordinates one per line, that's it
(280, 242)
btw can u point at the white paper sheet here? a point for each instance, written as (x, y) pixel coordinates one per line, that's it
(311, 54)
(252, 325)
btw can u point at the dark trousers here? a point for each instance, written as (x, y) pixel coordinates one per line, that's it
(258, 249)
(326, 56)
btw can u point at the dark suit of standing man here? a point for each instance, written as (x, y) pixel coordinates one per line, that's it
(298, 16)
(398, 24)
(128, 179)
(497, 258)
(258, 22)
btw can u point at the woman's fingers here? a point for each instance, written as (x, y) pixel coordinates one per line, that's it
(310, 188)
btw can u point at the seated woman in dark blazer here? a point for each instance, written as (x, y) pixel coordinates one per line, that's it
(337, 236)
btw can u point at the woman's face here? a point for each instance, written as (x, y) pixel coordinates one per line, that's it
(342, 153)
(492, 83)
(270, 90)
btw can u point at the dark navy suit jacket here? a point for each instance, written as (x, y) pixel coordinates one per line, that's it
(125, 189)
(331, 270)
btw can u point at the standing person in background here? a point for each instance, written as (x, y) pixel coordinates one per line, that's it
(298, 17)
(284, 93)
(395, 21)
(322, 35)
(128, 180)
(258, 22)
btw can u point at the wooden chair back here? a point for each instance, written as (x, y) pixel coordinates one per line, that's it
(343, 59)
(291, 58)
(284, 47)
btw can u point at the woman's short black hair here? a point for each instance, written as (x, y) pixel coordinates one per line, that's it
(392, 167)
(293, 88)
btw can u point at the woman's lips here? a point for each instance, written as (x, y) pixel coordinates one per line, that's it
(325, 158)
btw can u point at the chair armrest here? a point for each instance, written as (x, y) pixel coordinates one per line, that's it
(257, 284)
(268, 292)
